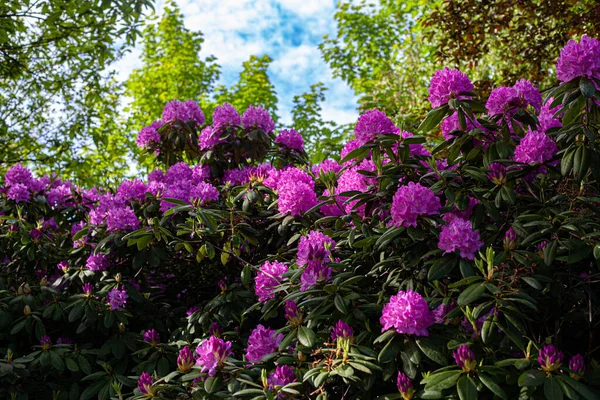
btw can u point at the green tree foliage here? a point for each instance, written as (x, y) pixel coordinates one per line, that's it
(253, 87)
(172, 68)
(520, 39)
(53, 80)
(388, 51)
(322, 139)
(381, 54)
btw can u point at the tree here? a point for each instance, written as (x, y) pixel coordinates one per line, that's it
(172, 68)
(387, 52)
(322, 139)
(253, 87)
(53, 77)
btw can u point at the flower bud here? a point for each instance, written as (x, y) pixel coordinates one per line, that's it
(185, 360)
(465, 358)
(145, 385)
(497, 173)
(46, 343)
(577, 366)
(122, 327)
(550, 358)
(292, 314)
(510, 240)
(152, 337)
(405, 386)
(27, 310)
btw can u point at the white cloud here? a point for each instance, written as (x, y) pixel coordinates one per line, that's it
(289, 31)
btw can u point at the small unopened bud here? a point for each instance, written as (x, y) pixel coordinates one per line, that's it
(118, 277)
(550, 358)
(27, 310)
(44, 282)
(465, 358)
(26, 288)
(122, 327)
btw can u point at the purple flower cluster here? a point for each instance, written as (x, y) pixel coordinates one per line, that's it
(204, 193)
(226, 116)
(447, 84)
(20, 184)
(149, 135)
(184, 111)
(268, 277)
(579, 60)
(121, 219)
(535, 147)
(440, 312)
(262, 342)
(316, 246)
(372, 123)
(507, 100)
(117, 298)
(181, 182)
(97, 262)
(546, 116)
(212, 353)
(314, 273)
(283, 375)
(290, 139)
(209, 137)
(258, 117)
(325, 166)
(296, 192)
(352, 180)
(459, 235)
(412, 201)
(550, 358)
(408, 313)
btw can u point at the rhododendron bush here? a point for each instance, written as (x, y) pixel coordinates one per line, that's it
(415, 267)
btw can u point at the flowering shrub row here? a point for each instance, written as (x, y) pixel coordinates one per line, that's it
(466, 268)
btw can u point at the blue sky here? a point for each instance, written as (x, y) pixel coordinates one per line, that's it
(289, 31)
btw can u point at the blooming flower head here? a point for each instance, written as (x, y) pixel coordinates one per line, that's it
(35, 234)
(152, 337)
(268, 277)
(579, 59)
(459, 235)
(185, 359)
(547, 118)
(316, 246)
(535, 147)
(510, 240)
(497, 173)
(132, 190)
(183, 111)
(314, 273)
(121, 219)
(283, 375)
(149, 135)
(97, 262)
(452, 123)
(371, 123)
(408, 313)
(405, 386)
(290, 139)
(19, 193)
(145, 385)
(204, 193)
(212, 354)
(447, 84)
(117, 298)
(262, 342)
(325, 166)
(351, 180)
(465, 358)
(209, 137)
(46, 343)
(60, 196)
(577, 366)
(292, 314)
(411, 201)
(550, 358)
(295, 198)
(17, 174)
(258, 117)
(225, 116)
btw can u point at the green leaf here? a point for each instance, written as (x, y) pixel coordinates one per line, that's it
(441, 380)
(466, 388)
(306, 336)
(432, 351)
(493, 386)
(533, 377)
(433, 118)
(552, 389)
(471, 294)
(213, 384)
(441, 268)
